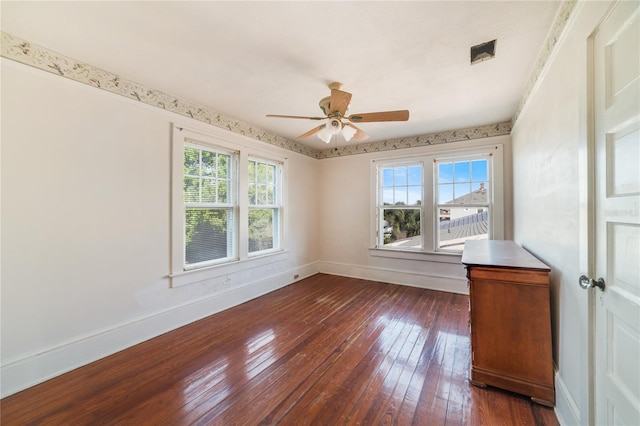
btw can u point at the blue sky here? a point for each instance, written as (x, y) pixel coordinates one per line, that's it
(403, 184)
(458, 178)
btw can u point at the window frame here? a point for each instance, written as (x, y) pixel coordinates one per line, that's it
(243, 148)
(429, 215)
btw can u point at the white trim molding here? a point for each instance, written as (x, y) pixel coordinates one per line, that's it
(33, 368)
(426, 280)
(566, 410)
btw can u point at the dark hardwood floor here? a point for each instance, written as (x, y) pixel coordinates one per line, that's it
(324, 351)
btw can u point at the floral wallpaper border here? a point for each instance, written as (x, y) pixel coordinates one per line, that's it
(562, 17)
(27, 53)
(415, 141)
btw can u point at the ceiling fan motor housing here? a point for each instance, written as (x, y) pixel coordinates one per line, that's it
(335, 125)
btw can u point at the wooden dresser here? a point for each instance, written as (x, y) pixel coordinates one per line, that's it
(510, 319)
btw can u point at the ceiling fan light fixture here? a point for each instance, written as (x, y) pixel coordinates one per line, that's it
(325, 135)
(332, 127)
(348, 132)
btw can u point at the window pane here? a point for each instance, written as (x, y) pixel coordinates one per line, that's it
(400, 176)
(252, 171)
(445, 193)
(445, 173)
(387, 177)
(461, 193)
(461, 172)
(271, 198)
(271, 173)
(415, 195)
(208, 191)
(261, 194)
(223, 165)
(387, 196)
(191, 161)
(208, 163)
(400, 196)
(479, 193)
(262, 172)
(191, 190)
(479, 170)
(415, 175)
(252, 194)
(401, 228)
(206, 234)
(223, 193)
(262, 225)
(459, 224)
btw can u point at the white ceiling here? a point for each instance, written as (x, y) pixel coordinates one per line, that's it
(249, 59)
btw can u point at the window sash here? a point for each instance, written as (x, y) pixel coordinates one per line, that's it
(264, 189)
(212, 240)
(397, 185)
(467, 186)
(264, 194)
(263, 233)
(209, 241)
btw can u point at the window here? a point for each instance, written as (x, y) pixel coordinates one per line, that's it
(462, 202)
(401, 206)
(436, 202)
(264, 205)
(227, 203)
(209, 206)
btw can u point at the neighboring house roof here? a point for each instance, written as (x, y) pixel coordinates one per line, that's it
(474, 224)
(478, 196)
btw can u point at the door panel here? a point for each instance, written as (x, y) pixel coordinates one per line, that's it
(616, 93)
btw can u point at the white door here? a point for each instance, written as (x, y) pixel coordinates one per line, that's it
(616, 78)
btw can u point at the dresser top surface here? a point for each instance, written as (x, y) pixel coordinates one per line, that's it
(498, 253)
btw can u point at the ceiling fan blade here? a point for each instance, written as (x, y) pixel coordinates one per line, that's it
(311, 132)
(402, 115)
(339, 102)
(359, 135)
(296, 116)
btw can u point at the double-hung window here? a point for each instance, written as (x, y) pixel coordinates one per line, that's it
(210, 208)
(264, 179)
(435, 202)
(227, 203)
(463, 201)
(400, 206)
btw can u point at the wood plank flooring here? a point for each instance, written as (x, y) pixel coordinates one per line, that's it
(324, 351)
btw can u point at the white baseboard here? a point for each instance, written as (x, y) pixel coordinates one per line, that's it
(420, 279)
(51, 362)
(566, 410)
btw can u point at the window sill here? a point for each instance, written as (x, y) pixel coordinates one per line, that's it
(416, 255)
(215, 271)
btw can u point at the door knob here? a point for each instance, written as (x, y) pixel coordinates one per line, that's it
(586, 282)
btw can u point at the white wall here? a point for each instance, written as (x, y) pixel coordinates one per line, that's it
(549, 142)
(346, 230)
(85, 227)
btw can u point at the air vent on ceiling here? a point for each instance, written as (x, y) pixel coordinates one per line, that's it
(482, 52)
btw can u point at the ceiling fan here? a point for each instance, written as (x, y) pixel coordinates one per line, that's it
(335, 107)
